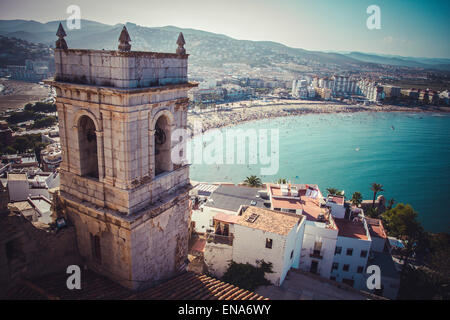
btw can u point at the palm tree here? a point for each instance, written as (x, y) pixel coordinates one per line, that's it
(281, 181)
(253, 181)
(334, 192)
(391, 203)
(356, 198)
(375, 187)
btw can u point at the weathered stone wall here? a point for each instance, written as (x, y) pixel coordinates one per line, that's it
(114, 241)
(217, 258)
(120, 69)
(137, 250)
(160, 244)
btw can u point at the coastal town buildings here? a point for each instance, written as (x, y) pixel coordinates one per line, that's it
(227, 199)
(255, 235)
(51, 157)
(320, 234)
(335, 241)
(352, 251)
(34, 209)
(32, 183)
(371, 90)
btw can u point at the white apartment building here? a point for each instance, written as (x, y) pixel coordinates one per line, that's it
(255, 235)
(352, 251)
(23, 185)
(320, 234)
(371, 90)
(339, 85)
(337, 206)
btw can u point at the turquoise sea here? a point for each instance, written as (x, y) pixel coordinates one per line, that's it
(408, 153)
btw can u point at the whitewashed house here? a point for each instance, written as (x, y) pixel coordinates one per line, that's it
(320, 236)
(256, 234)
(227, 199)
(352, 251)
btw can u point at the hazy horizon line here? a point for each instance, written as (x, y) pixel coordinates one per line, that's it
(342, 52)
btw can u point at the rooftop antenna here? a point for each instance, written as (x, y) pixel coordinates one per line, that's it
(124, 39)
(61, 43)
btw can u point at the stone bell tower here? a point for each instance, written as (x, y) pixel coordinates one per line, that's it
(128, 200)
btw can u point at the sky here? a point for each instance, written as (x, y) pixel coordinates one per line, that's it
(408, 27)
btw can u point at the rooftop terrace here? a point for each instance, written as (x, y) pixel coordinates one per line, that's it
(351, 229)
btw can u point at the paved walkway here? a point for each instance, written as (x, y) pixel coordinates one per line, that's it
(300, 286)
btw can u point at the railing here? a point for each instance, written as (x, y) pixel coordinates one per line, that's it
(316, 253)
(218, 238)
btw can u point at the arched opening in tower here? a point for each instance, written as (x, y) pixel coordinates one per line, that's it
(88, 147)
(162, 145)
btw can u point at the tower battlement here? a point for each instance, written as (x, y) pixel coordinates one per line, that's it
(129, 69)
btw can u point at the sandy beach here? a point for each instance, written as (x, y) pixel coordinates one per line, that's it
(16, 94)
(244, 111)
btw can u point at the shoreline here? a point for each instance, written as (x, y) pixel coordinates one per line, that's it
(222, 119)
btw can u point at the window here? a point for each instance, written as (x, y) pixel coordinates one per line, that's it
(360, 269)
(292, 253)
(317, 248)
(162, 145)
(87, 139)
(335, 266)
(363, 253)
(95, 246)
(346, 267)
(349, 252)
(268, 243)
(338, 250)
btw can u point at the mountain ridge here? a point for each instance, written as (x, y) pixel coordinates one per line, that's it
(206, 48)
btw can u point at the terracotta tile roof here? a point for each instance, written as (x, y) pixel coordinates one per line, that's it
(269, 220)
(190, 286)
(337, 199)
(228, 218)
(187, 286)
(310, 207)
(351, 229)
(376, 228)
(93, 286)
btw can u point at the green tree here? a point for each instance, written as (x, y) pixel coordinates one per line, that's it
(356, 198)
(247, 276)
(44, 122)
(401, 222)
(375, 187)
(253, 181)
(22, 144)
(282, 181)
(334, 192)
(372, 212)
(390, 203)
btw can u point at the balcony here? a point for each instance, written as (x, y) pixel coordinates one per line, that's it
(318, 254)
(219, 239)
